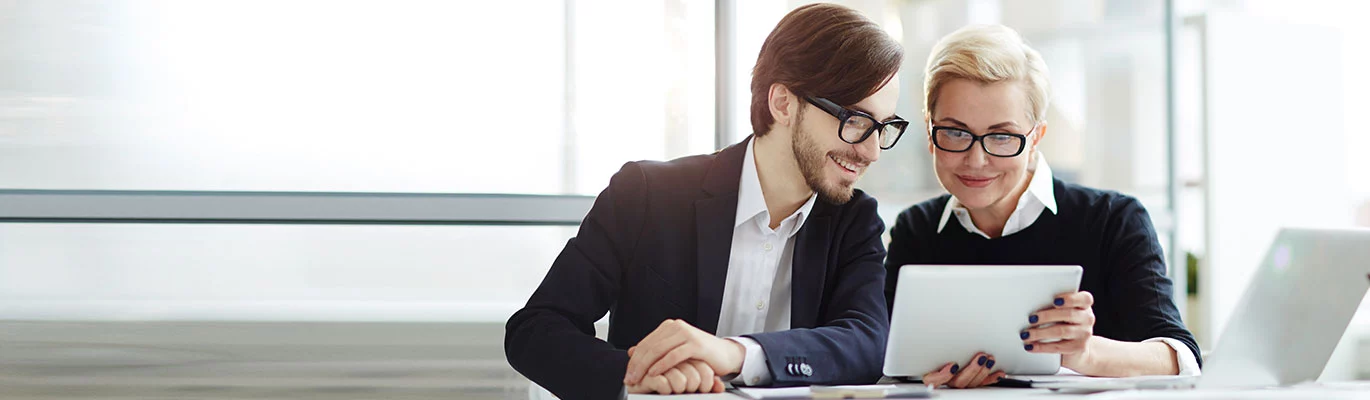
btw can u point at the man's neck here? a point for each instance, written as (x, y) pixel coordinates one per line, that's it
(782, 184)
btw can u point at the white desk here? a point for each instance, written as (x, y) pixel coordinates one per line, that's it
(968, 394)
(1332, 391)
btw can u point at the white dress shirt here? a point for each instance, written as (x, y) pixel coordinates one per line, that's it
(1041, 195)
(756, 295)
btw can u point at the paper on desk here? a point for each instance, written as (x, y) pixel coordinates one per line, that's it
(805, 391)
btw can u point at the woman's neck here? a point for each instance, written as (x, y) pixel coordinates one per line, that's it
(991, 220)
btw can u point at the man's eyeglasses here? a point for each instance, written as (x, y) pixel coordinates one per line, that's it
(958, 140)
(855, 126)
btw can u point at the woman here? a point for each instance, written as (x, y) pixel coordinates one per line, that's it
(986, 95)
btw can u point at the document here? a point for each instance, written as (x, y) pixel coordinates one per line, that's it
(839, 392)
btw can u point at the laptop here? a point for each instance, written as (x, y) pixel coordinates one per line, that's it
(1288, 321)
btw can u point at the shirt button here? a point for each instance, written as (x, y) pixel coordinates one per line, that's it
(760, 305)
(767, 246)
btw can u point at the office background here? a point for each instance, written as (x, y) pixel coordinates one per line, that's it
(211, 189)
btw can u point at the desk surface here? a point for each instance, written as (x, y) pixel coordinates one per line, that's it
(1360, 390)
(972, 394)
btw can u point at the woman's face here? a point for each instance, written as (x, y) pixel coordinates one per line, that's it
(977, 179)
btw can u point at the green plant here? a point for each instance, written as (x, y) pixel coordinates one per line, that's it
(1191, 274)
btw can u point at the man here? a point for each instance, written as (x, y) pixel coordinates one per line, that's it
(758, 264)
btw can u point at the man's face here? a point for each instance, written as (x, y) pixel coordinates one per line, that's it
(830, 165)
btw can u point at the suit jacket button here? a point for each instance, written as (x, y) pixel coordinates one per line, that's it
(806, 369)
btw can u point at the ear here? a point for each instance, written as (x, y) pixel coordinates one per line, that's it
(927, 127)
(1041, 133)
(782, 104)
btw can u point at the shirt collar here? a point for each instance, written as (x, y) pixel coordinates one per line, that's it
(803, 214)
(1041, 188)
(749, 198)
(751, 202)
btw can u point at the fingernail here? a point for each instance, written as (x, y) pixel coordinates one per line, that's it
(1060, 302)
(1027, 347)
(982, 360)
(955, 368)
(989, 364)
(1023, 335)
(1032, 319)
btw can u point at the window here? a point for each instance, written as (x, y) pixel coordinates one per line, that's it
(364, 96)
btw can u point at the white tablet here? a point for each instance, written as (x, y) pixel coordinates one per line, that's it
(947, 313)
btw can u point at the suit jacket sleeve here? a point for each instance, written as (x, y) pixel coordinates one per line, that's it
(551, 341)
(849, 346)
(1139, 278)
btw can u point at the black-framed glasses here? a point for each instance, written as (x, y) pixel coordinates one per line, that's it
(958, 140)
(855, 126)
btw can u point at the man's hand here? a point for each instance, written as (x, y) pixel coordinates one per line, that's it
(692, 376)
(1066, 328)
(675, 342)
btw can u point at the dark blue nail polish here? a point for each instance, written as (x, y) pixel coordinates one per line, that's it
(989, 364)
(1032, 319)
(1027, 347)
(955, 368)
(1060, 302)
(982, 360)
(1023, 335)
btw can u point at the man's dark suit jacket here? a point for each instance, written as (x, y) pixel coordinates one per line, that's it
(655, 246)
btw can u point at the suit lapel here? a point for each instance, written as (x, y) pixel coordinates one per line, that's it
(714, 216)
(809, 268)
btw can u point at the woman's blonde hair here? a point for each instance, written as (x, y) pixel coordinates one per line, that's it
(988, 54)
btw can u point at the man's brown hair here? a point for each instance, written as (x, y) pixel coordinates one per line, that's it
(823, 50)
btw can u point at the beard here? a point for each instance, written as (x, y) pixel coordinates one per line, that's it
(812, 162)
